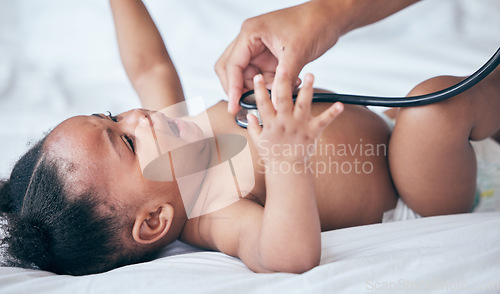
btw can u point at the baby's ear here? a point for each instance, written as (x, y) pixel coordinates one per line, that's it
(152, 225)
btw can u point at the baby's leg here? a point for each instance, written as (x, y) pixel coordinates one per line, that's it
(432, 162)
(496, 136)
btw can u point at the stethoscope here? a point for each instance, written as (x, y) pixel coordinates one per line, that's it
(248, 104)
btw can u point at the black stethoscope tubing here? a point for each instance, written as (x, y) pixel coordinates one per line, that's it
(420, 100)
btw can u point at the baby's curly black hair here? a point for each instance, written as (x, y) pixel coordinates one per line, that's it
(48, 228)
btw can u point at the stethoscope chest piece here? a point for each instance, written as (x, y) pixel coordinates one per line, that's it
(241, 117)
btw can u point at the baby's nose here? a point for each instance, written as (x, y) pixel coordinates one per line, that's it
(134, 117)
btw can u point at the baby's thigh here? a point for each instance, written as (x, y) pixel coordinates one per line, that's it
(356, 187)
(432, 163)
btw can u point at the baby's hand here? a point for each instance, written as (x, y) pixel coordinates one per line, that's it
(289, 132)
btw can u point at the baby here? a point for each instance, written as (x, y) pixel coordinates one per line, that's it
(79, 202)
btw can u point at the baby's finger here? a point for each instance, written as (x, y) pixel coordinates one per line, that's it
(282, 92)
(248, 74)
(320, 122)
(302, 108)
(269, 80)
(253, 127)
(264, 104)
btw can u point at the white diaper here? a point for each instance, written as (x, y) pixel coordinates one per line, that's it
(380, 112)
(488, 159)
(399, 213)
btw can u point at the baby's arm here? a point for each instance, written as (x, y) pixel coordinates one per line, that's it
(285, 236)
(290, 222)
(144, 56)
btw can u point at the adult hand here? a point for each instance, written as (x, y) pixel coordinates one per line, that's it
(287, 38)
(292, 37)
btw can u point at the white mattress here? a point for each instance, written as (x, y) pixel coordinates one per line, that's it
(59, 58)
(429, 255)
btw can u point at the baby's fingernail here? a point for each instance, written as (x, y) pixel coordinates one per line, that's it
(308, 78)
(249, 118)
(258, 78)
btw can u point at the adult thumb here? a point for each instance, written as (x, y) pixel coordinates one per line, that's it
(292, 68)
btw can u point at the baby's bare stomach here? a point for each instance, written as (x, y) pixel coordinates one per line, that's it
(350, 168)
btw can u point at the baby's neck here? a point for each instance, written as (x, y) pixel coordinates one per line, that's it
(229, 176)
(229, 173)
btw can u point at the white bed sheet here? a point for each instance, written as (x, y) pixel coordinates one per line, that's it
(59, 58)
(446, 254)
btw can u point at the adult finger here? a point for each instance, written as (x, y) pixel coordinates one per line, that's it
(235, 87)
(237, 62)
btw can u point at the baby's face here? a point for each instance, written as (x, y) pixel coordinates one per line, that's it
(110, 153)
(164, 147)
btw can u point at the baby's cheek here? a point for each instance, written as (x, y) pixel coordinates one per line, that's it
(145, 146)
